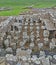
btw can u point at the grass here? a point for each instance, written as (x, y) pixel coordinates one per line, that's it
(16, 10)
(45, 5)
(18, 5)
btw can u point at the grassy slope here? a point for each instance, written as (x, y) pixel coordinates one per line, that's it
(18, 5)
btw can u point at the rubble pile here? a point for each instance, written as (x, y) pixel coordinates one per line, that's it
(29, 39)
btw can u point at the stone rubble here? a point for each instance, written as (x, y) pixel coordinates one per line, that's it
(29, 39)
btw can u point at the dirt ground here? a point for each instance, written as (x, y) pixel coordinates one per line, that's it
(2, 18)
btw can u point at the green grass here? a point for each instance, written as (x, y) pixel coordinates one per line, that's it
(18, 5)
(16, 10)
